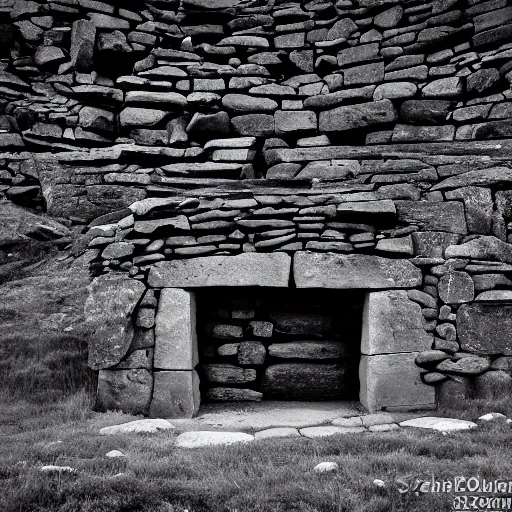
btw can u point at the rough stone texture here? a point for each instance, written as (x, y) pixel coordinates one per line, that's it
(147, 426)
(303, 325)
(493, 385)
(393, 382)
(175, 331)
(250, 269)
(485, 328)
(251, 353)
(392, 323)
(433, 216)
(175, 395)
(357, 116)
(469, 365)
(304, 381)
(228, 374)
(309, 350)
(441, 424)
(316, 270)
(124, 390)
(482, 248)
(313, 432)
(276, 432)
(221, 394)
(454, 391)
(456, 288)
(108, 309)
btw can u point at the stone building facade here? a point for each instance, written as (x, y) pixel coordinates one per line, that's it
(238, 148)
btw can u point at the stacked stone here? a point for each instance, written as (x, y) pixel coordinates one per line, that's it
(88, 73)
(251, 349)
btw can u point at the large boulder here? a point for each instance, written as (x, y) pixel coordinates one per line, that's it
(109, 308)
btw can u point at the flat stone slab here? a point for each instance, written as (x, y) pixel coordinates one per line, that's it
(328, 270)
(269, 414)
(313, 432)
(385, 427)
(276, 432)
(354, 421)
(248, 269)
(441, 424)
(138, 427)
(208, 438)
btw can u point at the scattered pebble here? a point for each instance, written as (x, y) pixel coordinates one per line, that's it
(379, 483)
(492, 416)
(113, 454)
(325, 467)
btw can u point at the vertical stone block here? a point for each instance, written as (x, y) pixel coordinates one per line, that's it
(83, 39)
(392, 323)
(393, 382)
(175, 331)
(175, 395)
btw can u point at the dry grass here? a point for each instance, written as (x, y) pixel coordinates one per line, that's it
(272, 475)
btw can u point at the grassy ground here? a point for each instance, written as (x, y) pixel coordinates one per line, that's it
(272, 475)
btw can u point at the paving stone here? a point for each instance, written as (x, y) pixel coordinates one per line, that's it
(200, 439)
(387, 427)
(276, 432)
(354, 421)
(313, 432)
(441, 424)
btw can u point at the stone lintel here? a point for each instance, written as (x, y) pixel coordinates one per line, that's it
(247, 269)
(356, 271)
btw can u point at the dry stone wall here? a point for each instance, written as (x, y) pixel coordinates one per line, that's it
(352, 144)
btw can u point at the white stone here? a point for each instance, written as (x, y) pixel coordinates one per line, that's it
(114, 454)
(330, 431)
(379, 483)
(441, 424)
(57, 469)
(492, 416)
(325, 467)
(276, 432)
(208, 438)
(148, 426)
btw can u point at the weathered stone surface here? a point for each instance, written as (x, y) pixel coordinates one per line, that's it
(228, 374)
(304, 381)
(491, 176)
(393, 381)
(254, 125)
(175, 331)
(493, 385)
(357, 116)
(147, 426)
(251, 353)
(310, 350)
(175, 395)
(325, 270)
(399, 245)
(291, 121)
(83, 37)
(456, 288)
(301, 324)
(409, 133)
(277, 432)
(425, 111)
(249, 269)
(468, 365)
(431, 356)
(433, 216)
(124, 390)
(364, 74)
(390, 17)
(329, 430)
(146, 117)
(261, 329)
(453, 392)
(215, 124)
(482, 248)
(392, 323)
(220, 394)
(485, 328)
(441, 424)
(432, 244)
(108, 309)
(241, 103)
(443, 88)
(200, 439)
(478, 206)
